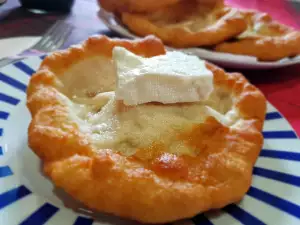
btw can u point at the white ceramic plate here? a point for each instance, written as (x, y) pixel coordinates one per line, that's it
(29, 198)
(222, 59)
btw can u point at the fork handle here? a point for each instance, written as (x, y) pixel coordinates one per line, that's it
(8, 60)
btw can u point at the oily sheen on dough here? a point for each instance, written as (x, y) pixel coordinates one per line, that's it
(266, 39)
(188, 23)
(153, 163)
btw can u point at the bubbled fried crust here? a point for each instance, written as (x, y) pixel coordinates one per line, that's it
(150, 186)
(134, 6)
(188, 23)
(265, 39)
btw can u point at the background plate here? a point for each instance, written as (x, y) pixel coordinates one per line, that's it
(29, 198)
(222, 59)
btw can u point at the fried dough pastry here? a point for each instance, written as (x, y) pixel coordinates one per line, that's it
(188, 23)
(153, 163)
(134, 6)
(265, 39)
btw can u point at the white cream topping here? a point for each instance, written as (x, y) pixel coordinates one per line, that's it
(171, 78)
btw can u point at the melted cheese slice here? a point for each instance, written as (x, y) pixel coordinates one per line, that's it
(171, 78)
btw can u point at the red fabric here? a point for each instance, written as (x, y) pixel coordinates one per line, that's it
(279, 9)
(280, 86)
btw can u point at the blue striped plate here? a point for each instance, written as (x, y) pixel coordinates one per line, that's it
(29, 198)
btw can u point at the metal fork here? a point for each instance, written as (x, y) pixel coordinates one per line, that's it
(53, 39)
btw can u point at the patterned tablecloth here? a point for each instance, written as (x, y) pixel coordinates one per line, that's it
(281, 86)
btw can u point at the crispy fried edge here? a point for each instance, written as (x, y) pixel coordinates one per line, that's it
(228, 26)
(264, 48)
(83, 172)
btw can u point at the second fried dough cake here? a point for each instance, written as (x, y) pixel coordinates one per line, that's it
(264, 38)
(188, 23)
(151, 162)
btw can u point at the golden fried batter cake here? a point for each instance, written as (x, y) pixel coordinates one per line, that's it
(188, 23)
(134, 6)
(150, 162)
(265, 39)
